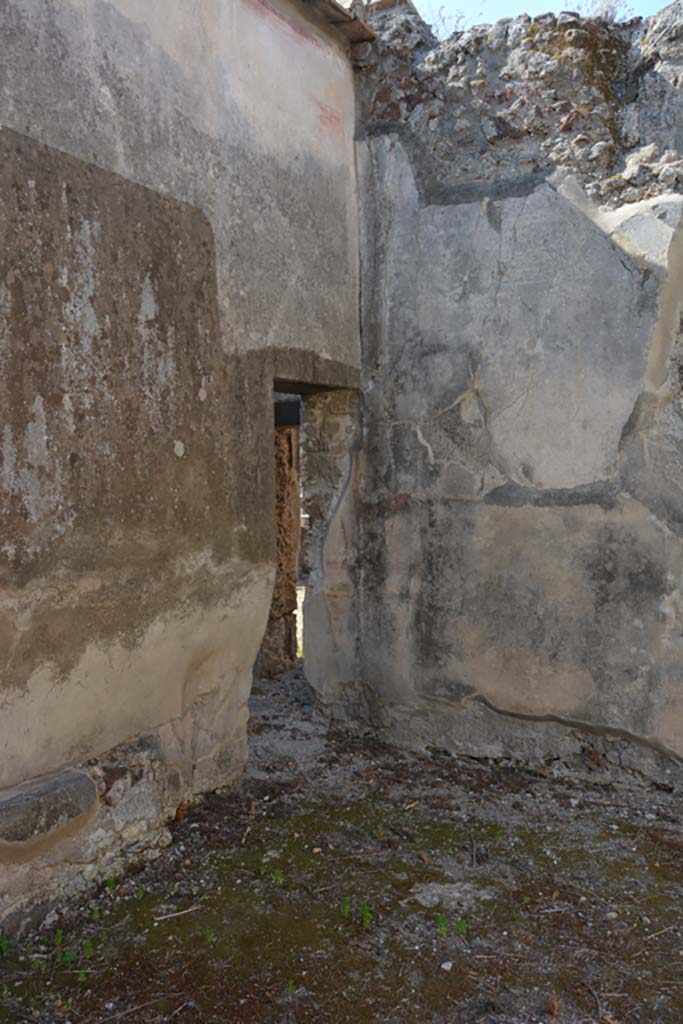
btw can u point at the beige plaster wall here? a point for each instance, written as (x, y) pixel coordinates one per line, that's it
(178, 219)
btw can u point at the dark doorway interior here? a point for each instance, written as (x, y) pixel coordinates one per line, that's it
(281, 644)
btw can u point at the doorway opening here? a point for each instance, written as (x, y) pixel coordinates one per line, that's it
(315, 434)
(282, 645)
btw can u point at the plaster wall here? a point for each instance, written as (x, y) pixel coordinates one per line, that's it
(508, 567)
(178, 229)
(515, 544)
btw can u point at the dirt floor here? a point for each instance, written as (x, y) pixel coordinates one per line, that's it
(349, 883)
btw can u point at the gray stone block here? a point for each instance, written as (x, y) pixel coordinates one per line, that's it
(37, 808)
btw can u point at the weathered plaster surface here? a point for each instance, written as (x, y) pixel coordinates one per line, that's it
(516, 547)
(243, 109)
(120, 564)
(507, 354)
(509, 563)
(179, 230)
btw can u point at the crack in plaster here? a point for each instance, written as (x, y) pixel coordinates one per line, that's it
(576, 723)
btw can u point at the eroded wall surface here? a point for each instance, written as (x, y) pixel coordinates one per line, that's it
(518, 547)
(179, 228)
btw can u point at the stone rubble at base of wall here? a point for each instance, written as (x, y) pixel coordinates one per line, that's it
(64, 835)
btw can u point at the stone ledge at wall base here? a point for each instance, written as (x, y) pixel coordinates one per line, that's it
(39, 811)
(63, 835)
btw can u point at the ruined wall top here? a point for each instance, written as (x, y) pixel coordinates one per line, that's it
(498, 103)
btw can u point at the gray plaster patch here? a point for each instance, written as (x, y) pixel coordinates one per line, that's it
(553, 318)
(603, 493)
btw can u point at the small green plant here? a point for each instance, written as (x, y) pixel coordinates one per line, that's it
(461, 926)
(290, 986)
(209, 936)
(70, 955)
(346, 907)
(5, 990)
(6, 945)
(139, 891)
(81, 976)
(88, 948)
(95, 913)
(278, 876)
(262, 869)
(365, 913)
(104, 935)
(441, 924)
(111, 886)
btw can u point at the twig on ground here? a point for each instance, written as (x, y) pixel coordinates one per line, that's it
(578, 890)
(178, 913)
(662, 931)
(473, 852)
(596, 997)
(180, 1008)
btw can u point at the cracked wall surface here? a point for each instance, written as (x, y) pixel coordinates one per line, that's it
(518, 536)
(179, 230)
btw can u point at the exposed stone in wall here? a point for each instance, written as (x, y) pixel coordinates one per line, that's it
(64, 834)
(279, 647)
(38, 810)
(500, 104)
